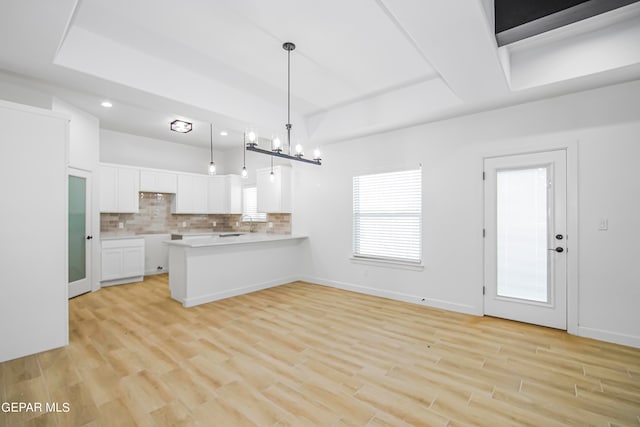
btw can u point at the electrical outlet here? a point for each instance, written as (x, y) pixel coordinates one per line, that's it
(270, 225)
(184, 224)
(237, 223)
(121, 225)
(215, 223)
(604, 224)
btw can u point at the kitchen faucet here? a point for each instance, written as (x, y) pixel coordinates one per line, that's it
(251, 223)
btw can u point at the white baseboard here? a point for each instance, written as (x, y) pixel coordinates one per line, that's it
(122, 281)
(614, 337)
(203, 299)
(414, 299)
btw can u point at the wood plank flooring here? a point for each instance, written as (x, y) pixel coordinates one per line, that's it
(308, 355)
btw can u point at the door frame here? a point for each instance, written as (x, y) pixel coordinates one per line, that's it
(88, 176)
(571, 148)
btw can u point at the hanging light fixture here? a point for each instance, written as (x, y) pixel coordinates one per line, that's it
(272, 176)
(212, 164)
(244, 172)
(276, 146)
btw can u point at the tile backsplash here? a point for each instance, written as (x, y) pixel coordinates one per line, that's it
(155, 216)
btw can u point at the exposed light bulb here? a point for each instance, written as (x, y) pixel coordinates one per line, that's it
(299, 149)
(252, 136)
(276, 143)
(244, 172)
(316, 154)
(272, 177)
(212, 168)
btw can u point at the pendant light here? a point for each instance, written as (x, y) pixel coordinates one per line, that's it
(212, 164)
(276, 149)
(272, 176)
(244, 172)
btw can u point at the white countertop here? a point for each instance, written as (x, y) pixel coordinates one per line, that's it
(122, 237)
(209, 240)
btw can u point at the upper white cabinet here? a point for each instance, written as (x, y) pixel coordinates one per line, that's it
(158, 182)
(274, 197)
(234, 194)
(191, 195)
(225, 194)
(119, 189)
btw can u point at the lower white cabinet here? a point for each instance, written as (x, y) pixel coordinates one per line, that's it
(122, 261)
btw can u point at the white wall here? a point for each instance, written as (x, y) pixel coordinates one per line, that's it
(33, 226)
(606, 125)
(14, 88)
(127, 149)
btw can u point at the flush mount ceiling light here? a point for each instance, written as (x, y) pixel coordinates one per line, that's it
(181, 126)
(223, 133)
(106, 104)
(276, 146)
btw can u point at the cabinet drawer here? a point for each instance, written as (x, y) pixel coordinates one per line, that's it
(123, 243)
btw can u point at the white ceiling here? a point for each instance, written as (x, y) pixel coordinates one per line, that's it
(360, 67)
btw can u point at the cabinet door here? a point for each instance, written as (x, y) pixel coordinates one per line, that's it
(274, 196)
(234, 194)
(128, 188)
(166, 182)
(268, 192)
(111, 264)
(108, 189)
(132, 262)
(158, 182)
(200, 194)
(184, 197)
(217, 195)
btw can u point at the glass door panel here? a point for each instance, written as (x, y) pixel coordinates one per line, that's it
(522, 218)
(77, 228)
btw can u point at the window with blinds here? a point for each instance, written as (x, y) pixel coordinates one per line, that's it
(387, 216)
(250, 204)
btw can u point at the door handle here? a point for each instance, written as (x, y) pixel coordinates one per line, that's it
(89, 237)
(558, 249)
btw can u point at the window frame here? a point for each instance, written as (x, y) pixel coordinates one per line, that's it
(391, 261)
(255, 216)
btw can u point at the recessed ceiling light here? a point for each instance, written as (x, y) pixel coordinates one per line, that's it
(181, 126)
(223, 133)
(106, 104)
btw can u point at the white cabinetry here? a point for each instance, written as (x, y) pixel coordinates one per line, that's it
(122, 261)
(119, 189)
(191, 195)
(158, 182)
(274, 197)
(225, 194)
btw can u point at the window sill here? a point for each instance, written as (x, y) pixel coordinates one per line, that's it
(404, 265)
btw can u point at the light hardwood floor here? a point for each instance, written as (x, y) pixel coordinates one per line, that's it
(307, 355)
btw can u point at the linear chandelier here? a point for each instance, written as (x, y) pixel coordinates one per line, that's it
(276, 146)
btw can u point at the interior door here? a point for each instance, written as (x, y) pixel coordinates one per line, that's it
(80, 238)
(525, 238)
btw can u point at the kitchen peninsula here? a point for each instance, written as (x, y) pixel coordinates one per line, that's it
(216, 266)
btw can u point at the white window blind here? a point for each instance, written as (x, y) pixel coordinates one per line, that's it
(250, 204)
(387, 216)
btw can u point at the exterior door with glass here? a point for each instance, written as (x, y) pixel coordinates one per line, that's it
(525, 238)
(79, 239)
